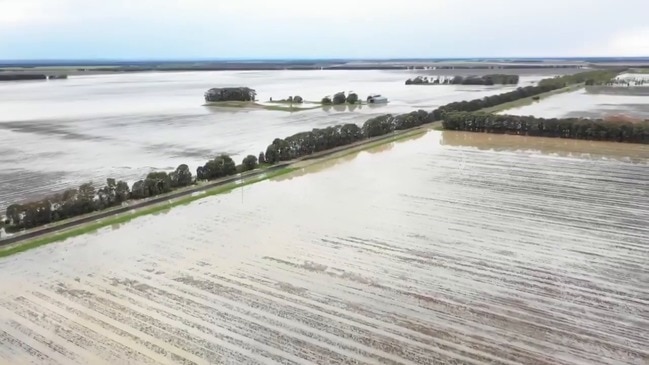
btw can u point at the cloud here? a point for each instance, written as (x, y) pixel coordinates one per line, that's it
(16, 13)
(333, 28)
(634, 42)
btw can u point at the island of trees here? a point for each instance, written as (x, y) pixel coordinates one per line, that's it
(464, 115)
(495, 79)
(230, 94)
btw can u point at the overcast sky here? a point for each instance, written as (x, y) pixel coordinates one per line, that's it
(123, 29)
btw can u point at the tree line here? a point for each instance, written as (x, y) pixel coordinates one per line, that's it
(87, 198)
(455, 116)
(577, 128)
(317, 140)
(545, 85)
(493, 79)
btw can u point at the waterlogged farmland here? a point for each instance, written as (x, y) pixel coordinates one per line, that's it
(585, 104)
(59, 134)
(454, 248)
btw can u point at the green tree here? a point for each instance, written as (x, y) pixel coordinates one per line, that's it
(139, 190)
(181, 177)
(157, 183)
(272, 154)
(249, 163)
(352, 98)
(122, 191)
(14, 214)
(339, 98)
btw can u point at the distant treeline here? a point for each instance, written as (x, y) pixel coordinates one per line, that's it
(22, 77)
(457, 115)
(543, 86)
(495, 79)
(27, 77)
(577, 128)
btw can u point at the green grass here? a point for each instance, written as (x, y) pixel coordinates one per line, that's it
(123, 218)
(529, 100)
(639, 70)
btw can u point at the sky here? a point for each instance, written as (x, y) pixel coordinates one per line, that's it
(266, 29)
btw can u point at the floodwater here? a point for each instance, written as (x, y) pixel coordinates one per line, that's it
(447, 249)
(61, 133)
(584, 104)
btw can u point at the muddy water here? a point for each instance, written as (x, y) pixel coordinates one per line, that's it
(450, 249)
(59, 134)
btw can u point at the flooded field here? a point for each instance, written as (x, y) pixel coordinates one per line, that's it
(585, 104)
(59, 134)
(454, 248)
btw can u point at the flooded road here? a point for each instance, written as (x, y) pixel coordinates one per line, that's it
(451, 248)
(59, 134)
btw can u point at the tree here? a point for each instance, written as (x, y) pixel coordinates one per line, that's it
(230, 94)
(122, 191)
(181, 177)
(139, 190)
(157, 183)
(249, 163)
(14, 214)
(220, 166)
(339, 98)
(86, 198)
(352, 98)
(297, 99)
(326, 101)
(262, 158)
(272, 154)
(457, 80)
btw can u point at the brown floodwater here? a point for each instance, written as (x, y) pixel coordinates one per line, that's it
(453, 248)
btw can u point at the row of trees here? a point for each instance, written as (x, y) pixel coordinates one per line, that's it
(456, 116)
(340, 98)
(494, 79)
(87, 199)
(543, 86)
(22, 77)
(317, 140)
(577, 128)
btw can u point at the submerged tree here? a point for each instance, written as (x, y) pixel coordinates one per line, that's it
(352, 98)
(339, 98)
